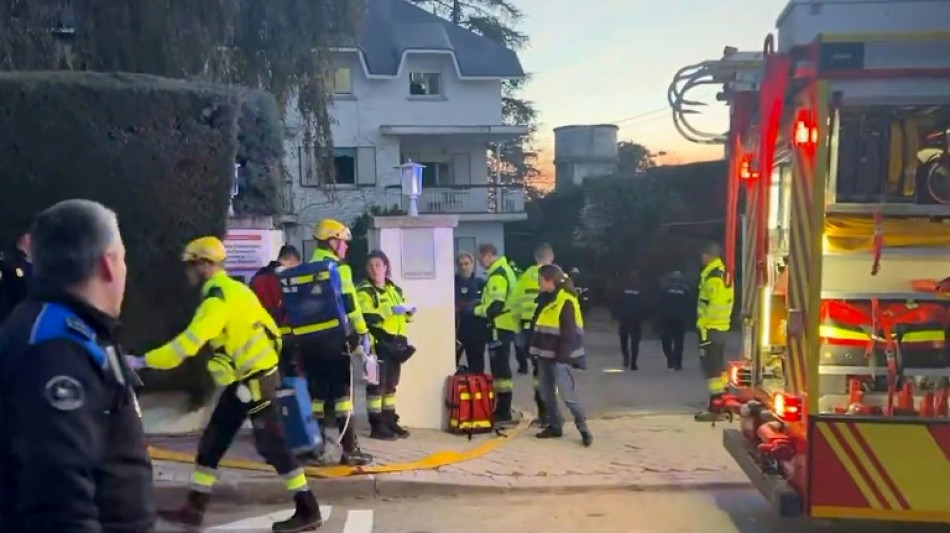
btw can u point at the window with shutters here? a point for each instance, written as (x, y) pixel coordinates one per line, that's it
(346, 166)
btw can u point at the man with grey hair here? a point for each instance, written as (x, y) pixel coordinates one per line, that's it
(72, 449)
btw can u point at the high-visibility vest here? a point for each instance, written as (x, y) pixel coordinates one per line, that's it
(715, 299)
(525, 296)
(498, 287)
(547, 330)
(377, 306)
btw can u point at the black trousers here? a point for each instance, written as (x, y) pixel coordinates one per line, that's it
(326, 366)
(674, 332)
(382, 397)
(474, 349)
(500, 360)
(265, 414)
(630, 332)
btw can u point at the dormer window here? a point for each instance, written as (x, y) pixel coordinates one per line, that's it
(425, 84)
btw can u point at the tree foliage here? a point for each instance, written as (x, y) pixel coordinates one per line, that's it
(281, 46)
(633, 158)
(514, 162)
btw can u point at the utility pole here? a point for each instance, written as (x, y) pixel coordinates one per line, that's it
(456, 12)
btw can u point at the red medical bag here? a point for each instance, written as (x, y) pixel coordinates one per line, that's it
(470, 399)
(845, 333)
(921, 330)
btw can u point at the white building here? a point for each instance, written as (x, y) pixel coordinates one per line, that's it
(415, 88)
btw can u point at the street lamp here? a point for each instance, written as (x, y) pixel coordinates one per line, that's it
(410, 179)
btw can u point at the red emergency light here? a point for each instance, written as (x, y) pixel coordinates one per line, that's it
(746, 171)
(805, 133)
(788, 407)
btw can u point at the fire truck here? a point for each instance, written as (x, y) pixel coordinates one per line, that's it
(838, 237)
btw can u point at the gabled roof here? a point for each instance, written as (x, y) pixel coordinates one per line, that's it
(391, 29)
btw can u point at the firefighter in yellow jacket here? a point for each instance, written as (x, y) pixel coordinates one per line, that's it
(713, 321)
(504, 324)
(524, 304)
(326, 362)
(387, 314)
(246, 344)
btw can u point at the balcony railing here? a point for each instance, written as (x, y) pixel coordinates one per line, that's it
(463, 199)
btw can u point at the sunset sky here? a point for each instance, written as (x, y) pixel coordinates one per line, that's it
(612, 61)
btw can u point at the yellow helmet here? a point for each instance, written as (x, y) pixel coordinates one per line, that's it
(206, 248)
(328, 229)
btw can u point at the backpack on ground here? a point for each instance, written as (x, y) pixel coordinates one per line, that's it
(470, 399)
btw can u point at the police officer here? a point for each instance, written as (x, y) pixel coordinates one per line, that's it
(503, 323)
(525, 298)
(72, 448)
(471, 331)
(327, 363)
(246, 343)
(629, 310)
(713, 320)
(675, 308)
(15, 274)
(387, 314)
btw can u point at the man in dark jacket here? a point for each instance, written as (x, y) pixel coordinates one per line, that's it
(266, 285)
(72, 447)
(471, 331)
(629, 311)
(676, 308)
(15, 273)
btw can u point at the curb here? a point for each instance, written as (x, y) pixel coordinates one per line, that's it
(270, 491)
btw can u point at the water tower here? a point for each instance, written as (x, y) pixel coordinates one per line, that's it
(581, 151)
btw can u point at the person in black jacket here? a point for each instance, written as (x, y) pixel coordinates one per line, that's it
(471, 331)
(15, 273)
(72, 447)
(676, 308)
(629, 313)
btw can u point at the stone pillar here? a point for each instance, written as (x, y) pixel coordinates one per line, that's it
(421, 250)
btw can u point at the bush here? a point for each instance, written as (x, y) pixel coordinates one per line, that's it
(159, 152)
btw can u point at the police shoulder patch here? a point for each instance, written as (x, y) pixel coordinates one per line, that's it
(78, 326)
(64, 393)
(215, 292)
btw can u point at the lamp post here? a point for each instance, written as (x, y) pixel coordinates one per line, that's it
(410, 179)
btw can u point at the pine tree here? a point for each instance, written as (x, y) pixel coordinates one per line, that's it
(513, 162)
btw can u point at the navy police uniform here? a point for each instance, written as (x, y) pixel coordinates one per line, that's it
(72, 447)
(15, 274)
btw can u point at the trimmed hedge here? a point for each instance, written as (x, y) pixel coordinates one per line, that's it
(161, 153)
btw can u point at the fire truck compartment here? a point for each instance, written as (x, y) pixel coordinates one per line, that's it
(891, 468)
(785, 501)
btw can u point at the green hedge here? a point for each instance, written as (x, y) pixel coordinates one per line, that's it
(161, 153)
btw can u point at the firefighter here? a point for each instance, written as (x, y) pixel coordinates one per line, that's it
(387, 314)
(246, 344)
(629, 310)
(326, 363)
(266, 285)
(471, 331)
(525, 303)
(713, 321)
(675, 309)
(15, 273)
(72, 447)
(557, 341)
(503, 325)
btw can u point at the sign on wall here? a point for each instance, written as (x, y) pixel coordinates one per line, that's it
(250, 249)
(418, 253)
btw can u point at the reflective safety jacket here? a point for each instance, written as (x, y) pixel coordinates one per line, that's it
(714, 304)
(524, 299)
(350, 301)
(498, 288)
(559, 331)
(377, 306)
(243, 334)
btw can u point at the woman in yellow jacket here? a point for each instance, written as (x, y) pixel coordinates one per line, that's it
(557, 340)
(386, 313)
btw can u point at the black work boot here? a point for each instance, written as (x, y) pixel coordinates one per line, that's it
(550, 432)
(586, 438)
(392, 420)
(189, 517)
(352, 454)
(379, 429)
(503, 408)
(306, 517)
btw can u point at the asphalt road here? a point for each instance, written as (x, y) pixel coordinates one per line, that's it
(726, 511)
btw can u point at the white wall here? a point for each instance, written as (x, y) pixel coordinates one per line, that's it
(468, 235)
(378, 102)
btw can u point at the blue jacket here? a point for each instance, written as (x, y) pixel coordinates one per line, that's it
(468, 293)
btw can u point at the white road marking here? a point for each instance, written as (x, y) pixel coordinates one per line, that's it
(264, 522)
(359, 521)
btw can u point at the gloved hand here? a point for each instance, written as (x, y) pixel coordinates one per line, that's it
(134, 362)
(365, 344)
(404, 309)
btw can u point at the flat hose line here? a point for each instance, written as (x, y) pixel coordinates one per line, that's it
(429, 462)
